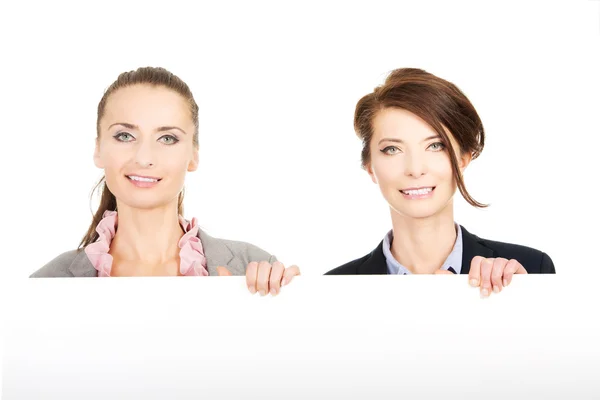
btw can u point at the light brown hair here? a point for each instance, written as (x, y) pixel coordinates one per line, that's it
(154, 76)
(438, 102)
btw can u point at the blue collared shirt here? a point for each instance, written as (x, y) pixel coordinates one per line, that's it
(453, 260)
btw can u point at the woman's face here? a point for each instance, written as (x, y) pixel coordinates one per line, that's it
(146, 145)
(411, 165)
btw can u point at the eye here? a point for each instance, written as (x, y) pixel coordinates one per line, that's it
(169, 139)
(124, 137)
(437, 146)
(390, 150)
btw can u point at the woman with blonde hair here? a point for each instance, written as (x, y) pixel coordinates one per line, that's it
(147, 140)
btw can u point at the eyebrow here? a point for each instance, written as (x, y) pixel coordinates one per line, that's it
(402, 141)
(159, 129)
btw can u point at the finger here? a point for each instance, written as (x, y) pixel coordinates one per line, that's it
(475, 271)
(486, 272)
(497, 272)
(289, 274)
(251, 273)
(262, 278)
(442, 272)
(275, 279)
(513, 267)
(222, 271)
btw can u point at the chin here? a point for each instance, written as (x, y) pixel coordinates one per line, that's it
(417, 211)
(415, 214)
(143, 204)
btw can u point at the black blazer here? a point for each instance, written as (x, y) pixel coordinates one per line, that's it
(534, 261)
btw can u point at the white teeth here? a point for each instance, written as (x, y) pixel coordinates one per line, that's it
(417, 192)
(140, 179)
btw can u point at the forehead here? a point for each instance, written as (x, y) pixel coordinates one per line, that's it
(400, 124)
(146, 105)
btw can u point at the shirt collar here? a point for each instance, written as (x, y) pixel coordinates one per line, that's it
(453, 260)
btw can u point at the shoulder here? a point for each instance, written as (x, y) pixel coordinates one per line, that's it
(370, 264)
(222, 251)
(247, 251)
(58, 266)
(350, 268)
(533, 260)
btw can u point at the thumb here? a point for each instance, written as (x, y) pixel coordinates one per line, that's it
(222, 271)
(442, 272)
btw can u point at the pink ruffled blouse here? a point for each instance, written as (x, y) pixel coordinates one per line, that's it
(192, 259)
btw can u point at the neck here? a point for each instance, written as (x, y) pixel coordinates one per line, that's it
(423, 244)
(149, 236)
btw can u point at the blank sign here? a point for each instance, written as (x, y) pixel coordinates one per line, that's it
(374, 337)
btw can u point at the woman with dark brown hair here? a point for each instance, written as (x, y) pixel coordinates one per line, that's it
(146, 142)
(419, 133)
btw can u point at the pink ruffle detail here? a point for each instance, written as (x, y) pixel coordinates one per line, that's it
(191, 253)
(192, 260)
(97, 252)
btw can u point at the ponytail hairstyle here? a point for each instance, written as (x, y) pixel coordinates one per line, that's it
(153, 76)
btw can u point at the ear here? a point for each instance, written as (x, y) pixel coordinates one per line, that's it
(464, 160)
(193, 164)
(371, 173)
(97, 159)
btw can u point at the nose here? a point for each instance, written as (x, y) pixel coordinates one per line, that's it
(144, 155)
(415, 165)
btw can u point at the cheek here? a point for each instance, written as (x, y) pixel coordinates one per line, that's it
(112, 165)
(113, 160)
(441, 167)
(175, 166)
(387, 172)
(113, 156)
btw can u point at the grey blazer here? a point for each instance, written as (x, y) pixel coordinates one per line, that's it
(233, 255)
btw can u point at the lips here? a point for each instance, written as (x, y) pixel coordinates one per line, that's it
(141, 178)
(420, 191)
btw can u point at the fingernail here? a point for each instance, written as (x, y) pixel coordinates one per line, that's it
(262, 293)
(496, 289)
(273, 292)
(485, 293)
(473, 282)
(505, 283)
(251, 289)
(284, 282)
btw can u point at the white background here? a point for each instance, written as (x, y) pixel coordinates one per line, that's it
(277, 84)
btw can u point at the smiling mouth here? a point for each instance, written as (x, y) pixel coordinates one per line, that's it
(142, 178)
(418, 191)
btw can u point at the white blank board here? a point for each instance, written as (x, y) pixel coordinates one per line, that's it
(375, 337)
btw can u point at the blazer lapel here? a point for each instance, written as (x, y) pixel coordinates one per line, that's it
(82, 266)
(375, 264)
(472, 247)
(215, 251)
